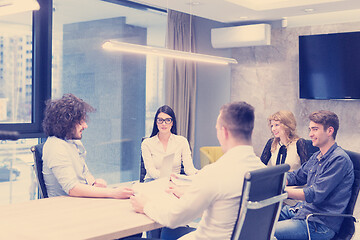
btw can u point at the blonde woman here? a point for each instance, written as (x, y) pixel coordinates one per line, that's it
(285, 146)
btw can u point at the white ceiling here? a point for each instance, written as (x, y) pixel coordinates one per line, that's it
(236, 12)
(296, 12)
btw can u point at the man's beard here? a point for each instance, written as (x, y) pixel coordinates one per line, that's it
(73, 135)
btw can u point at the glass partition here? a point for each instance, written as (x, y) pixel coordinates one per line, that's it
(125, 89)
(17, 179)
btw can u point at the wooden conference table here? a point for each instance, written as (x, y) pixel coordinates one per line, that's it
(72, 218)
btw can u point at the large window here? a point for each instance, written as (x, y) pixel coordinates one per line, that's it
(125, 89)
(16, 107)
(16, 68)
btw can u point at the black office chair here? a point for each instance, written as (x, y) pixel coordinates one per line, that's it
(347, 228)
(142, 170)
(260, 204)
(142, 165)
(38, 162)
(310, 149)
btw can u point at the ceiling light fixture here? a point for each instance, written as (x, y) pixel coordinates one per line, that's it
(115, 45)
(194, 3)
(8, 7)
(309, 10)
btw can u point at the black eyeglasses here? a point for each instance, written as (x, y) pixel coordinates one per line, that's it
(166, 120)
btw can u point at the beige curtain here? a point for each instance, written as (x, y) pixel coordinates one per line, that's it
(181, 74)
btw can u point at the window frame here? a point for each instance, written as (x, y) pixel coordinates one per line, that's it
(135, 5)
(42, 66)
(41, 72)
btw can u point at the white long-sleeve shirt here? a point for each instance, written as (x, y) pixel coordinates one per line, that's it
(153, 153)
(64, 165)
(215, 193)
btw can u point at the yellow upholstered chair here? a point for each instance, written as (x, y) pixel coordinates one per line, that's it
(209, 155)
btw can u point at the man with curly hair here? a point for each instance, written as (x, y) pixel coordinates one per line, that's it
(64, 168)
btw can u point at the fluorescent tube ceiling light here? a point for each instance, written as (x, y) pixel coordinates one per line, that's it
(263, 5)
(8, 7)
(114, 45)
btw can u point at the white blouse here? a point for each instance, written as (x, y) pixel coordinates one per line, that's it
(153, 153)
(292, 157)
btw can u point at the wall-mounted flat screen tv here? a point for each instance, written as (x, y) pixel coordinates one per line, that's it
(329, 66)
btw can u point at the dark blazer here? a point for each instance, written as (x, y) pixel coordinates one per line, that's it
(304, 149)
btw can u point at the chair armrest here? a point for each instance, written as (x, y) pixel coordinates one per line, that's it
(332, 215)
(326, 215)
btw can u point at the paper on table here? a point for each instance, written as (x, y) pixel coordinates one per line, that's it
(154, 190)
(166, 166)
(181, 179)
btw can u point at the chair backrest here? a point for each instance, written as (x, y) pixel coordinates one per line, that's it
(310, 149)
(347, 228)
(142, 166)
(38, 162)
(209, 154)
(260, 204)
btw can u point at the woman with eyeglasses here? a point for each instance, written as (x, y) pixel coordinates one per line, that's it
(164, 141)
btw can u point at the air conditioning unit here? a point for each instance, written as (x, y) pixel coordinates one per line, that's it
(241, 36)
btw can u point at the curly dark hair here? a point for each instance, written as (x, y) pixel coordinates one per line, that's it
(63, 114)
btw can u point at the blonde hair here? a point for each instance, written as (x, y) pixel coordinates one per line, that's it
(288, 121)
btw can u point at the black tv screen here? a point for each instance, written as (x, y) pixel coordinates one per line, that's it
(329, 66)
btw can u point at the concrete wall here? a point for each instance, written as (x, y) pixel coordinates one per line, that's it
(267, 77)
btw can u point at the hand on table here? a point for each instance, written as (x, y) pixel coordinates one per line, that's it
(138, 203)
(122, 192)
(174, 189)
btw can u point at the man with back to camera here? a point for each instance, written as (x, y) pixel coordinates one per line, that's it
(64, 168)
(329, 176)
(216, 189)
